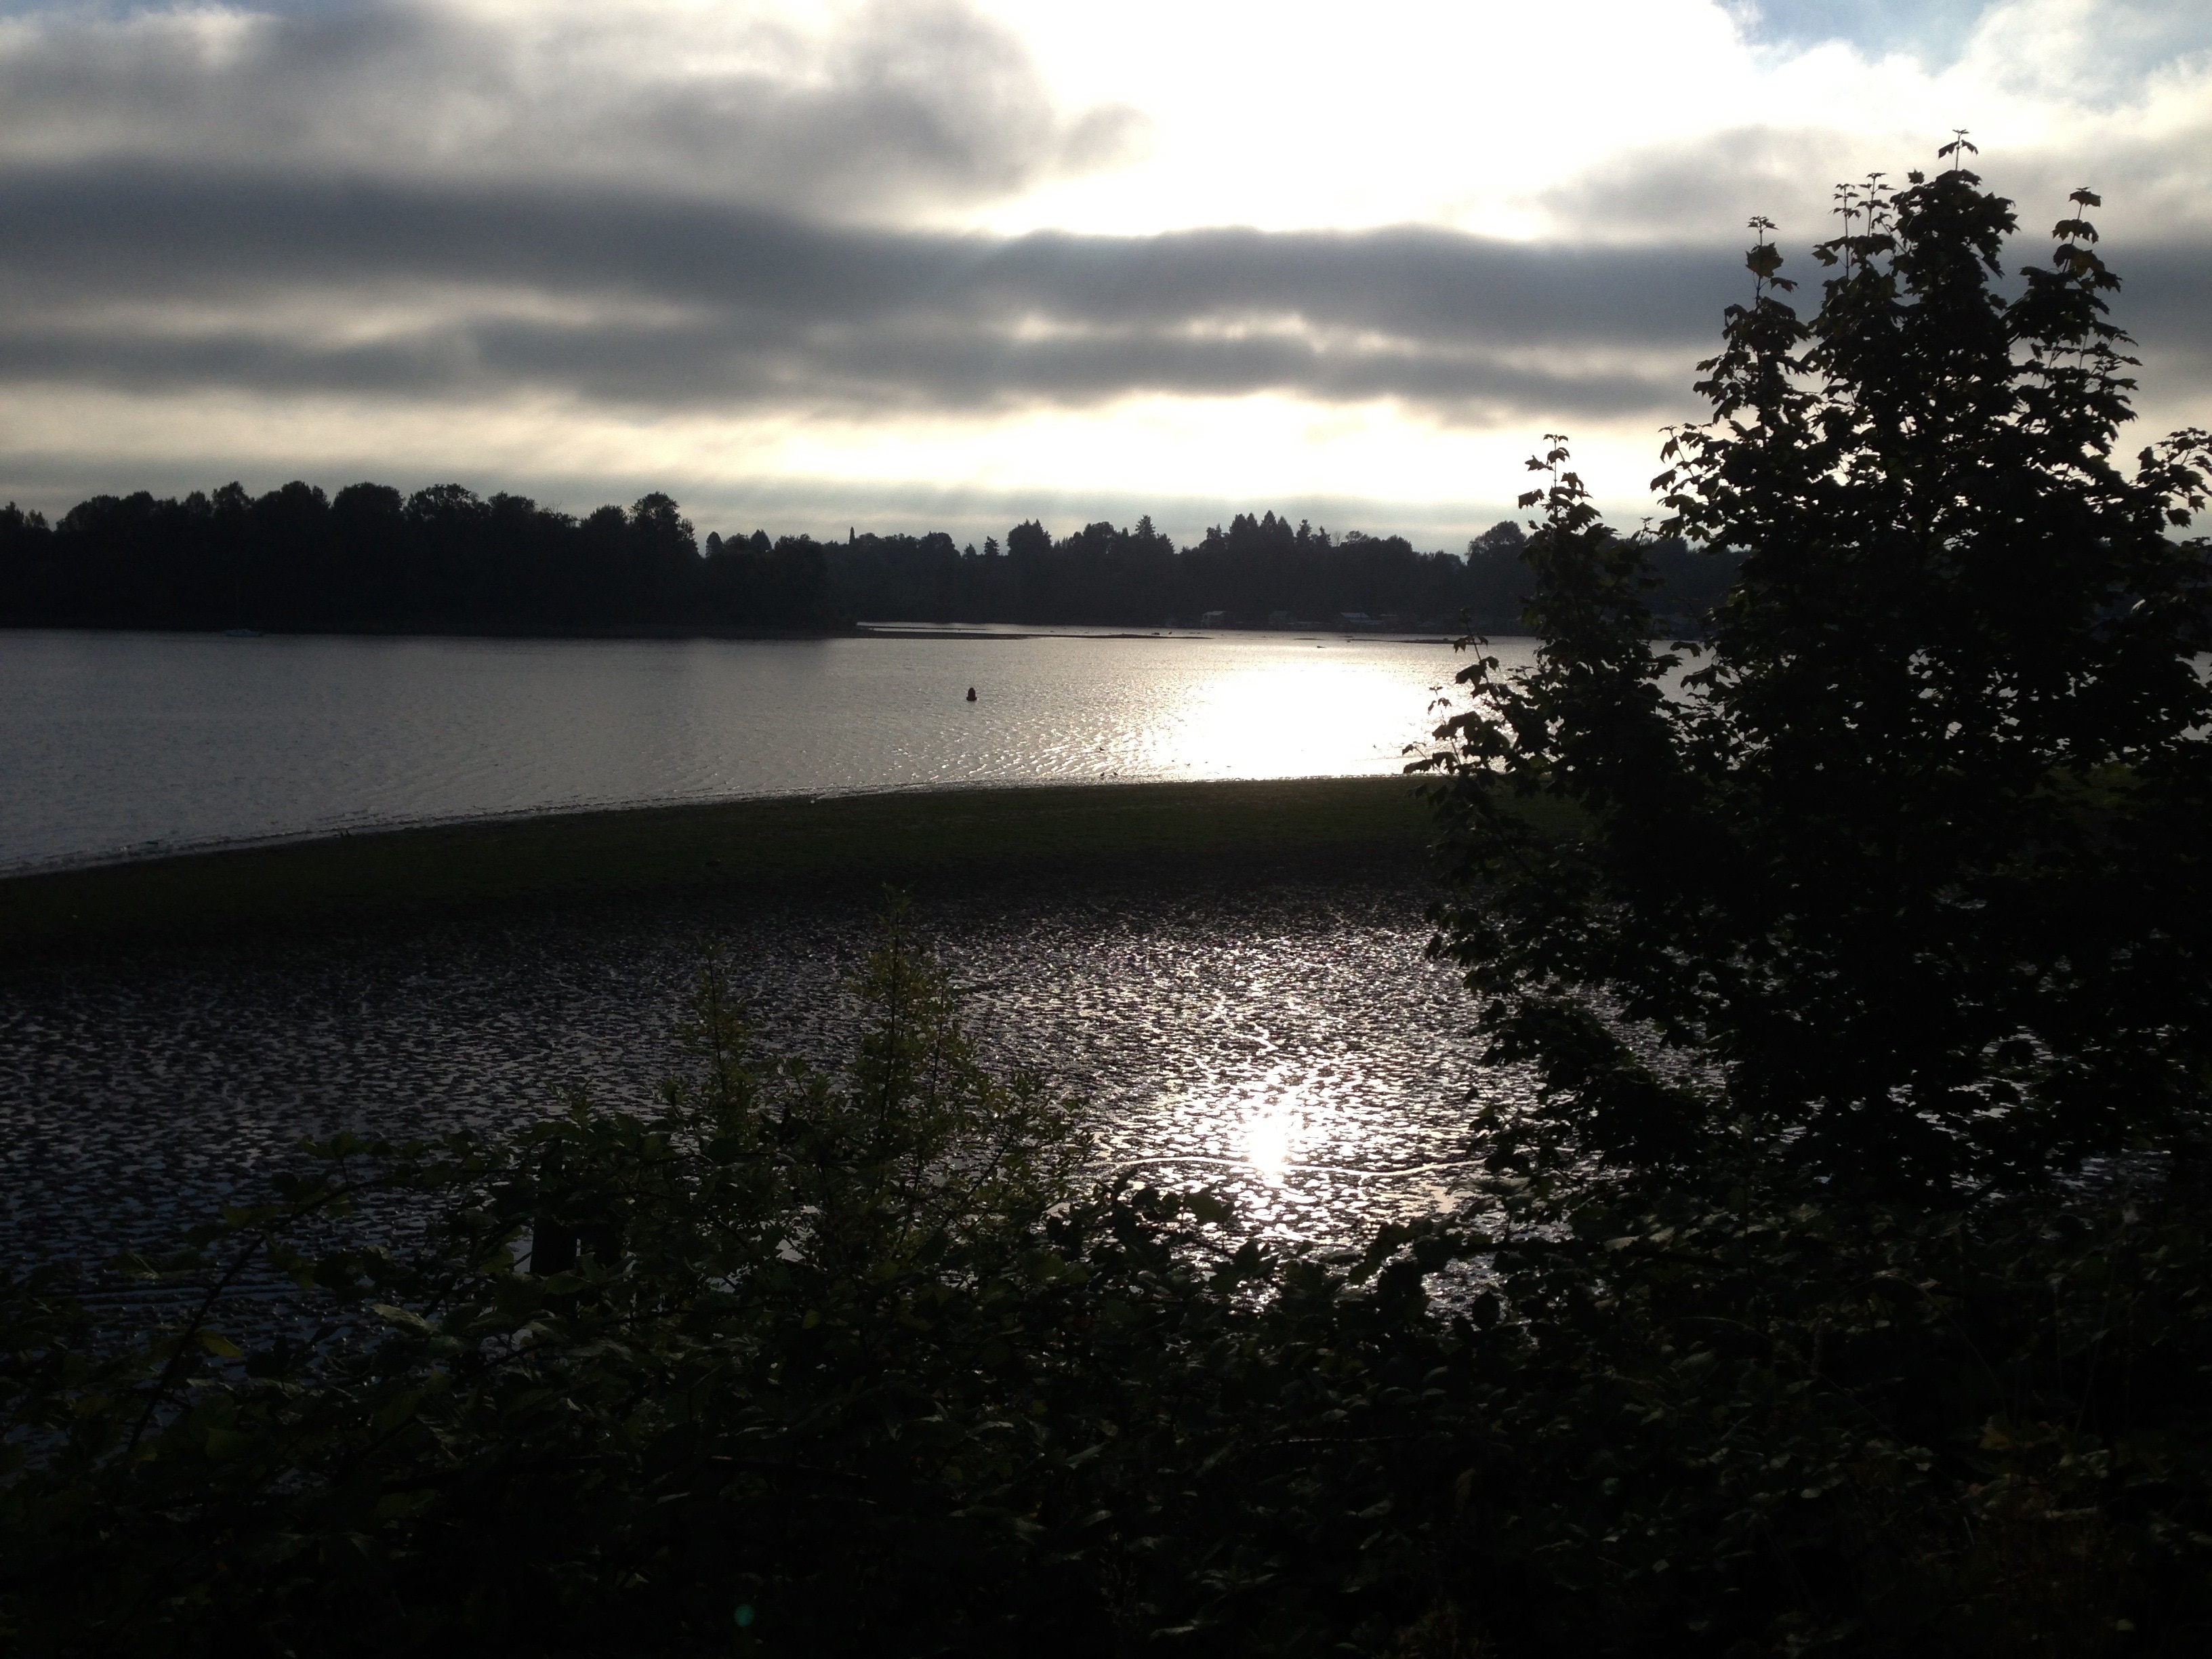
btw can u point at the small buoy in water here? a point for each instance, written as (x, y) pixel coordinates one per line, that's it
(971, 694)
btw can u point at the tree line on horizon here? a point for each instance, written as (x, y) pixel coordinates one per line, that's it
(1258, 571)
(446, 559)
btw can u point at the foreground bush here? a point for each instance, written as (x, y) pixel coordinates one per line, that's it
(855, 1365)
(847, 1357)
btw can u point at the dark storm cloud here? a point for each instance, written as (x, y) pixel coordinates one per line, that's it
(2152, 215)
(905, 103)
(393, 199)
(137, 234)
(1791, 175)
(123, 277)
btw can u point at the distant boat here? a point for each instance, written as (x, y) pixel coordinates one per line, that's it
(241, 633)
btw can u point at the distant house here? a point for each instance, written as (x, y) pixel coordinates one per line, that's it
(1213, 619)
(1352, 621)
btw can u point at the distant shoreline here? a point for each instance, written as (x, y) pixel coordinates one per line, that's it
(1207, 833)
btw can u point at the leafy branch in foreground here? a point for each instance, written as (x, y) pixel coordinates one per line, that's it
(1907, 873)
(852, 1363)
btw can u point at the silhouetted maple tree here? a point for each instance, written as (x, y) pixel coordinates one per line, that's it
(1909, 872)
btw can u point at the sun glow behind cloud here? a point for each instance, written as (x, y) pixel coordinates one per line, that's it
(758, 253)
(1491, 117)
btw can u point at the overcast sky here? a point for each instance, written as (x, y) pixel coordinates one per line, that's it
(917, 264)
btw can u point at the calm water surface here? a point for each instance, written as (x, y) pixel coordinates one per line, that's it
(119, 743)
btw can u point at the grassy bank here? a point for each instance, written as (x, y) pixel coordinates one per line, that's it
(1063, 832)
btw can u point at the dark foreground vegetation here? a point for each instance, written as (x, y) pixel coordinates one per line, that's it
(446, 559)
(1846, 1291)
(854, 1366)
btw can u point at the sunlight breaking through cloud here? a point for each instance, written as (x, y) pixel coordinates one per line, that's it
(854, 256)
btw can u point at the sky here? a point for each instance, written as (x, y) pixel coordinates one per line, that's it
(909, 264)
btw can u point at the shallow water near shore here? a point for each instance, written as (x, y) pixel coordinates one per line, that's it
(1285, 1043)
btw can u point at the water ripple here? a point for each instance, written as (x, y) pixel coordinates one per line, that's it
(1289, 1045)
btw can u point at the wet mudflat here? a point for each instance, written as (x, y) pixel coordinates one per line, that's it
(1284, 1041)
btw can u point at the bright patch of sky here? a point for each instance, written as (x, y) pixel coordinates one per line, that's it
(1934, 31)
(925, 263)
(1556, 120)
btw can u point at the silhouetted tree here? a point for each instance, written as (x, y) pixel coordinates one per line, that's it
(1910, 876)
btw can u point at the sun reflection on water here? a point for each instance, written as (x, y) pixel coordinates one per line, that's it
(1318, 708)
(1272, 1132)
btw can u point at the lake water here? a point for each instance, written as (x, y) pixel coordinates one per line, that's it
(1288, 1043)
(122, 744)
(1285, 1042)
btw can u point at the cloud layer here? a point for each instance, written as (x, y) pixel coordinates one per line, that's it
(129, 277)
(441, 211)
(159, 279)
(889, 108)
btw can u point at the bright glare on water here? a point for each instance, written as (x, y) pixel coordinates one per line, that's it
(1292, 1048)
(1287, 1045)
(124, 743)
